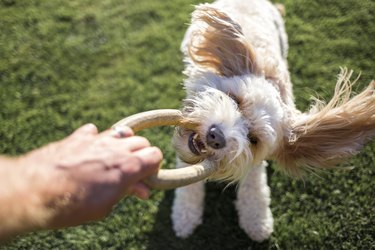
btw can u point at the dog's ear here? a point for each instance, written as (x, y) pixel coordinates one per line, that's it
(217, 43)
(329, 134)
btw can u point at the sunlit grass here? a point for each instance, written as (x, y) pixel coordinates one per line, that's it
(66, 63)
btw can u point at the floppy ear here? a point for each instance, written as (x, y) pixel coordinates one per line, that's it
(217, 43)
(330, 134)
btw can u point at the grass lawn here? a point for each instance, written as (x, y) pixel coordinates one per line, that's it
(66, 63)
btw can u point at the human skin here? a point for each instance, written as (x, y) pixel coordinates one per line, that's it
(73, 181)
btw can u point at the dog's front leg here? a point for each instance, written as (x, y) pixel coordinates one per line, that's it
(253, 200)
(187, 207)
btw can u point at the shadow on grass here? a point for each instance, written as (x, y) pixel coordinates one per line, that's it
(219, 230)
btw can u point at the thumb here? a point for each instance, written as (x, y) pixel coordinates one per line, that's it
(140, 190)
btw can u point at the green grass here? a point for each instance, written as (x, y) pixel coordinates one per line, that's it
(66, 63)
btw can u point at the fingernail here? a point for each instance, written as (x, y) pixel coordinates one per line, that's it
(122, 132)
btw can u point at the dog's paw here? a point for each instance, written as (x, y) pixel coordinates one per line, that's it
(258, 228)
(185, 220)
(187, 209)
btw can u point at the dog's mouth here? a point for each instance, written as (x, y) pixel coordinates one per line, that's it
(196, 145)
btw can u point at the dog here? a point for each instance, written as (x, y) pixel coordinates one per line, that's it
(240, 93)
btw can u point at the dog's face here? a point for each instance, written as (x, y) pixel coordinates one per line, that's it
(239, 121)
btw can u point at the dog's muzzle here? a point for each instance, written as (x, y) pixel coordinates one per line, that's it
(215, 139)
(173, 178)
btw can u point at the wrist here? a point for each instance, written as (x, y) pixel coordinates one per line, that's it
(22, 203)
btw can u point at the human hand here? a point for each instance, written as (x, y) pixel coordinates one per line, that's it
(80, 178)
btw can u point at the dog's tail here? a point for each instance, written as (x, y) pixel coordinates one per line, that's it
(330, 133)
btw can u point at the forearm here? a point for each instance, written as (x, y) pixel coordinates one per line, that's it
(22, 207)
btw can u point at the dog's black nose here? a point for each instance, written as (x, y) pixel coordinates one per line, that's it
(215, 138)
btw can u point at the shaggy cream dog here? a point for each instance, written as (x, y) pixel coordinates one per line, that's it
(239, 92)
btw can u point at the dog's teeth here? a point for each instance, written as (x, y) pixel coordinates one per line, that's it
(195, 145)
(198, 145)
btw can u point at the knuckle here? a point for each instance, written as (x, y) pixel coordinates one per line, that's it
(116, 178)
(143, 141)
(128, 131)
(155, 155)
(133, 165)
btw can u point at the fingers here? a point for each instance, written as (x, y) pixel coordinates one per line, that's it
(129, 141)
(132, 155)
(142, 164)
(119, 132)
(150, 158)
(141, 191)
(122, 132)
(134, 169)
(134, 143)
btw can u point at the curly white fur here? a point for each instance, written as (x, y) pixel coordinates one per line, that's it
(238, 82)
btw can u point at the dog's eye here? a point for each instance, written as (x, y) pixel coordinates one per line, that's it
(252, 139)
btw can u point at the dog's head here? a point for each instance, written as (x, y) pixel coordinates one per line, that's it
(239, 124)
(244, 117)
(238, 110)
